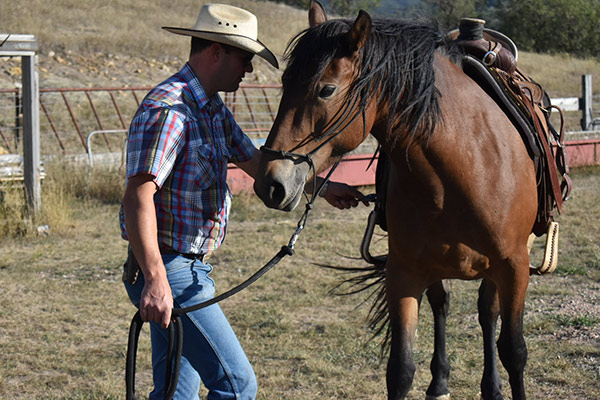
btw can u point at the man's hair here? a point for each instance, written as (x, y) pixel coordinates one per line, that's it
(199, 44)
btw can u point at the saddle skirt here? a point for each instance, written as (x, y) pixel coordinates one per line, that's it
(490, 59)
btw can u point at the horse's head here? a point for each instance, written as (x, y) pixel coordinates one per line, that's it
(320, 116)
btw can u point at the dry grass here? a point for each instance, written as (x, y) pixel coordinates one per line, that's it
(560, 74)
(65, 315)
(67, 185)
(134, 28)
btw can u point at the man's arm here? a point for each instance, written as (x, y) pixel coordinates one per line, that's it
(337, 194)
(156, 302)
(251, 166)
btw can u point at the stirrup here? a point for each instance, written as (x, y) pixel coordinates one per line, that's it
(550, 251)
(378, 261)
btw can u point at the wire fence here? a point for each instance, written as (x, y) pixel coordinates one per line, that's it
(72, 120)
(79, 121)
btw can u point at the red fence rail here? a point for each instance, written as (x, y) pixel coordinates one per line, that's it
(111, 109)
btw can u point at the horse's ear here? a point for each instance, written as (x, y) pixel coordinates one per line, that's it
(360, 31)
(316, 14)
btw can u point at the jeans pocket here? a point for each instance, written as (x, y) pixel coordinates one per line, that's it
(175, 262)
(189, 280)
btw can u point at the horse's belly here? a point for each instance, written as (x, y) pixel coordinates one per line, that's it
(460, 261)
(434, 260)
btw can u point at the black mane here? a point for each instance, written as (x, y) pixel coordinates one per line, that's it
(396, 63)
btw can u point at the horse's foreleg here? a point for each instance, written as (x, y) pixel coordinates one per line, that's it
(438, 295)
(489, 309)
(401, 367)
(511, 344)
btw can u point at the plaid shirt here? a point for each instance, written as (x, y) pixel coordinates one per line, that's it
(185, 140)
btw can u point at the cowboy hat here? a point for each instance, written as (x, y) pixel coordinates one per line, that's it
(229, 25)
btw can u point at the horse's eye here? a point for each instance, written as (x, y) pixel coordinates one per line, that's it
(327, 91)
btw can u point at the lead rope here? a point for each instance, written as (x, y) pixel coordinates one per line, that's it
(175, 347)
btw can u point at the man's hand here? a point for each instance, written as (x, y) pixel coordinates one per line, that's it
(156, 303)
(343, 196)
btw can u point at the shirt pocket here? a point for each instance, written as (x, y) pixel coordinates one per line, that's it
(211, 164)
(206, 173)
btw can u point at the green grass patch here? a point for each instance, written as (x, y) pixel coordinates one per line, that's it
(577, 321)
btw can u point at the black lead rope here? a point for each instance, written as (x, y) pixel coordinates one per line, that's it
(173, 356)
(175, 347)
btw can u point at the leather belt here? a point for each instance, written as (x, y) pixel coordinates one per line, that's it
(191, 256)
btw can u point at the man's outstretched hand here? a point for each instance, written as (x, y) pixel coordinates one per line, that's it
(343, 196)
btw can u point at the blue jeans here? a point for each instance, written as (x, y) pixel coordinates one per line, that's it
(212, 353)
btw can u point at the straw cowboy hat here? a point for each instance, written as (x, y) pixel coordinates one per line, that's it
(228, 25)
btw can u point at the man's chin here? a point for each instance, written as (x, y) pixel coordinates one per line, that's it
(232, 88)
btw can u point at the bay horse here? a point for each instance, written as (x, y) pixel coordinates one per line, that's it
(461, 194)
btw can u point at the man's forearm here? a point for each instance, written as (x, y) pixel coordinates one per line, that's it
(140, 220)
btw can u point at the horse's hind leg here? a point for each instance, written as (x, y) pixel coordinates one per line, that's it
(489, 309)
(511, 344)
(438, 295)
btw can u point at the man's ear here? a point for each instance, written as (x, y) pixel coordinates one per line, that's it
(215, 52)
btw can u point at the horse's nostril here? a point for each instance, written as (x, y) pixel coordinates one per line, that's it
(276, 192)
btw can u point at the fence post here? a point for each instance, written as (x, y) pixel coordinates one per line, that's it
(586, 102)
(31, 134)
(18, 116)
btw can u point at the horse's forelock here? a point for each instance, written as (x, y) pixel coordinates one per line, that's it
(310, 52)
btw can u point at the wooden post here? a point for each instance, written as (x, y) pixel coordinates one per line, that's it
(31, 134)
(586, 102)
(25, 46)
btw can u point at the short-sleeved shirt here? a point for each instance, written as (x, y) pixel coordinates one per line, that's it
(185, 140)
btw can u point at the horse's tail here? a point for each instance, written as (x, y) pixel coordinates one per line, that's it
(370, 278)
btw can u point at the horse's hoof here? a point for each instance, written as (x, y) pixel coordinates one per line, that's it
(442, 397)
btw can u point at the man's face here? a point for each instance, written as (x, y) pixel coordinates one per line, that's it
(234, 65)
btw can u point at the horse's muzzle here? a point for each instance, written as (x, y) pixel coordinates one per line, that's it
(279, 184)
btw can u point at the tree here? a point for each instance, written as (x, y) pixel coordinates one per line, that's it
(449, 12)
(571, 26)
(351, 7)
(346, 8)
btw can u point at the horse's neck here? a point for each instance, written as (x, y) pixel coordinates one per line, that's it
(458, 96)
(455, 99)
(474, 135)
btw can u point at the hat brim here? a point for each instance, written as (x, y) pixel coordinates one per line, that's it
(241, 42)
